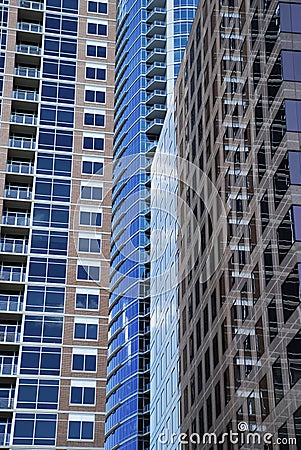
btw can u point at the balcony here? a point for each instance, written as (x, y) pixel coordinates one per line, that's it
(8, 365)
(7, 396)
(156, 97)
(156, 28)
(157, 41)
(18, 192)
(28, 49)
(11, 245)
(32, 27)
(155, 126)
(23, 118)
(16, 218)
(10, 333)
(156, 69)
(11, 303)
(156, 112)
(156, 83)
(37, 6)
(151, 148)
(24, 71)
(156, 14)
(26, 143)
(152, 4)
(20, 167)
(156, 55)
(26, 95)
(12, 273)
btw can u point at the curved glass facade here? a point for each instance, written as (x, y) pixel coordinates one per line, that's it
(151, 36)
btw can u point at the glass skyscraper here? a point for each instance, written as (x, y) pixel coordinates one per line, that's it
(151, 37)
(56, 88)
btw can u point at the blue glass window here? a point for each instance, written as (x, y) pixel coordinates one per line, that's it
(98, 51)
(59, 69)
(61, 24)
(82, 395)
(56, 140)
(43, 329)
(42, 270)
(94, 73)
(84, 363)
(58, 92)
(98, 29)
(94, 119)
(69, 6)
(40, 361)
(57, 116)
(45, 299)
(87, 301)
(92, 167)
(85, 331)
(98, 7)
(81, 430)
(93, 143)
(87, 273)
(49, 242)
(55, 190)
(95, 96)
(51, 164)
(38, 394)
(51, 216)
(91, 192)
(60, 47)
(35, 429)
(90, 218)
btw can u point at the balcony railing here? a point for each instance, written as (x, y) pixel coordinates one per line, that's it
(24, 119)
(31, 5)
(4, 439)
(7, 396)
(10, 245)
(33, 27)
(26, 95)
(11, 303)
(16, 219)
(28, 49)
(31, 72)
(12, 273)
(22, 142)
(8, 369)
(19, 167)
(9, 333)
(17, 192)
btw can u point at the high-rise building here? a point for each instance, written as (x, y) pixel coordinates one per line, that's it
(56, 80)
(151, 37)
(238, 126)
(164, 357)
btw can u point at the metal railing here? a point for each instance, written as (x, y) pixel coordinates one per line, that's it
(28, 49)
(32, 72)
(10, 245)
(19, 167)
(27, 26)
(21, 94)
(16, 219)
(22, 142)
(12, 273)
(24, 119)
(9, 333)
(31, 5)
(10, 302)
(4, 439)
(7, 396)
(20, 193)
